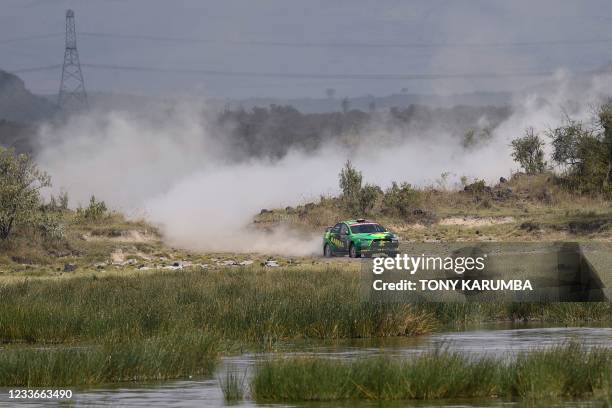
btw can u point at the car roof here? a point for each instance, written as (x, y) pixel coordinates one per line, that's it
(358, 221)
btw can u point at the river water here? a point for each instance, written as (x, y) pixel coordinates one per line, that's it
(502, 341)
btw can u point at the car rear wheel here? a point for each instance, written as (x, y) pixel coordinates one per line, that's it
(353, 253)
(327, 252)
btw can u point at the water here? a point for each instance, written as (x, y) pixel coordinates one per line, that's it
(500, 341)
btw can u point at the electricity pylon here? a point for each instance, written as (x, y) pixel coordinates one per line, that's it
(72, 95)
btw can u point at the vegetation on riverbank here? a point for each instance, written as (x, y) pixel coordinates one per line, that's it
(249, 305)
(569, 371)
(172, 355)
(242, 305)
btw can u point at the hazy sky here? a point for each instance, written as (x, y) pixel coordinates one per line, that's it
(309, 38)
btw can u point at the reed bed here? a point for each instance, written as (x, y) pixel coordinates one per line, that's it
(174, 355)
(254, 305)
(239, 305)
(567, 371)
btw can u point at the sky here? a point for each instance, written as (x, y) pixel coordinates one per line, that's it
(291, 48)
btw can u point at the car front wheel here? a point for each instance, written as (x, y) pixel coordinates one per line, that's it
(327, 252)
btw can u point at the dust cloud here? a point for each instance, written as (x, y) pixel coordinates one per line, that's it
(167, 166)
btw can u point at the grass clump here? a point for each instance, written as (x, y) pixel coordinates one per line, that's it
(232, 387)
(568, 371)
(437, 375)
(158, 358)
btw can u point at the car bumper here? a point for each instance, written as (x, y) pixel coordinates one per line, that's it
(383, 247)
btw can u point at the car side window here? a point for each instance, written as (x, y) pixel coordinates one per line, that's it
(344, 229)
(336, 228)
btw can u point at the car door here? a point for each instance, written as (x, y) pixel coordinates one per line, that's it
(345, 237)
(334, 238)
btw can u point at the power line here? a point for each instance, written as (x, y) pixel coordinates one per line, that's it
(354, 76)
(35, 69)
(324, 44)
(30, 38)
(350, 44)
(306, 75)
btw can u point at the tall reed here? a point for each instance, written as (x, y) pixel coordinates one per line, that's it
(568, 371)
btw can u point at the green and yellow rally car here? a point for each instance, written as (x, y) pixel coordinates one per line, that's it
(359, 237)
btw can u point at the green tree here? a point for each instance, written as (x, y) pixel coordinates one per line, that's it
(529, 153)
(584, 155)
(355, 198)
(20, 185)
(367, 198)
(350, 180)
(566, 142)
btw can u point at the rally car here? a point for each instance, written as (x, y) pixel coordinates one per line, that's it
(359, 237)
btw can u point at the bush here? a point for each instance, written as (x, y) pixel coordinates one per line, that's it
(50, 227)
(95, 211)
(20, 185)
(478, 187)
(400, 199)
(529, 153)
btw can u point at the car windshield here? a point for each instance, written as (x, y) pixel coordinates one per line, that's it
(367, 228)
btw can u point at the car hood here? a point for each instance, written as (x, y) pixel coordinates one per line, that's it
(374, 235)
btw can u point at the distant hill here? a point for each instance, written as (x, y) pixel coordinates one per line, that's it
(20, 105)
(119, 101)
(364, 103)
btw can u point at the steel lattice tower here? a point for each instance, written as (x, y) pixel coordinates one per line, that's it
(72, 95)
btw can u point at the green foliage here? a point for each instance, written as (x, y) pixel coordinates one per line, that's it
(59, 203)
(232, 386)
(478, 187)
(584, 155)
(20, 185)
(529, 153)
(259, 305)
(356, 199)
(173, 355)
(95, 211)
(367, 198)
(50, 226)
(566, 141)
(350, 181)
(400, 200)
(568, 371)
